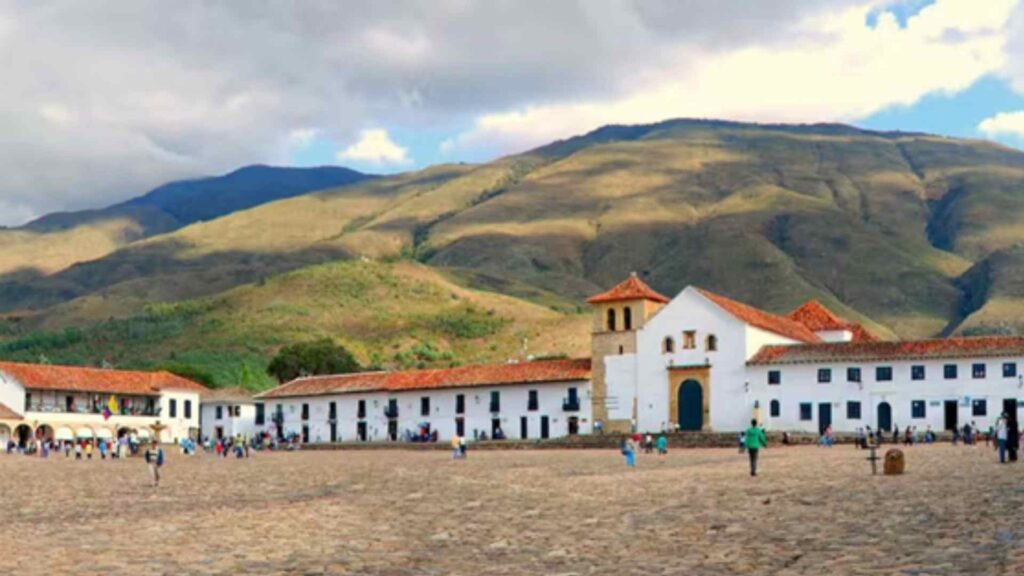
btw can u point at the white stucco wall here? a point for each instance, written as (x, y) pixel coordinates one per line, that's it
(442, 417)
(12, 394)
(244, 423)
(730, 405)
(800, 385)
(178, 426)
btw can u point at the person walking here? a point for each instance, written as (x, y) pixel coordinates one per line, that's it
(628, 447)
(662, 444)
(155, 459)
(1001, 437)
(456, 449)
(756, 440)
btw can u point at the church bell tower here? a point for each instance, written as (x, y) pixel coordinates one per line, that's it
(617, 316)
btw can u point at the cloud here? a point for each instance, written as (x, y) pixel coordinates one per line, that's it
(1003, 124)
(302, 137)
(837, 69)
(107, 99)
(375, 147)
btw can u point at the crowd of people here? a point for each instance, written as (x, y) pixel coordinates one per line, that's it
(82, 448)
(1004, 436)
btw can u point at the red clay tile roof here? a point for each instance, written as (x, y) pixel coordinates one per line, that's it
(818, 318)
(8, 414)
(459, 377)
(988, 346)
(766, 321)
(234, 394)
(631, 288)
(81, 379)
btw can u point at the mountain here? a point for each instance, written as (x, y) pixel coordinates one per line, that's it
(911, 234)
(61, 239)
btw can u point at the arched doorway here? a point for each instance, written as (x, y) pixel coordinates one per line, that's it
(44, 432)
(885, 417)
(22, 435)
(691, 406)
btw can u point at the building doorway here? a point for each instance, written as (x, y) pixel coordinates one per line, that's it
(1010, 408)
(885, 417)
(460, 427)
(392, 429)
(44, 433)
(949, 408)
(824, 417)
(495, 428)
(524, 428)
(691, 406)
(574, 425)
(22, 435)
(545, 427)
(334, 432)
(361, 431)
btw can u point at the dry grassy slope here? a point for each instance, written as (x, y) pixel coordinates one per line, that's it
(375, 309)
(28, 252)
(59, 240)
(209, 257)
(768, 216)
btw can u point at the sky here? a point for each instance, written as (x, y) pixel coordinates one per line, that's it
(104, 100)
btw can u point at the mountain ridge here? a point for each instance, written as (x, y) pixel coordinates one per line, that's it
(912, 234)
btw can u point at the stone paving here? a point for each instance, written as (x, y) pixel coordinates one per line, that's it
(811, 511)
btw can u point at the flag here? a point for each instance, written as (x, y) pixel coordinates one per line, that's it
(106, 413)
(111, 406)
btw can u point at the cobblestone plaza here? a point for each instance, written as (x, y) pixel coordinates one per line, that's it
(811, 511)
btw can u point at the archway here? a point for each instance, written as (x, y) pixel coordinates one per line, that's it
(22, 435)
(64, 434)
(885, 417)
(85, 433)
(691, 406)
(44, 432)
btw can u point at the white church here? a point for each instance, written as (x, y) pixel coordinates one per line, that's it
(697, 362)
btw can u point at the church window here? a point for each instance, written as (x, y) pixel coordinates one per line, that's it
(712, 343)
(669, 345)
(690, 339)
(627, 318)
(611, 320)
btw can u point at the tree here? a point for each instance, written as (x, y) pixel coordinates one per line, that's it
(189, 372)
(312, 358)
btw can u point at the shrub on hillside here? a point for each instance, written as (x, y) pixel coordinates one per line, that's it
(468, 323)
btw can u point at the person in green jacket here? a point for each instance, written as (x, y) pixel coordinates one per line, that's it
(756, 440)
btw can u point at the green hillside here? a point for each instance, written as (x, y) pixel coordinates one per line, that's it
(390, 315)
(913, 234)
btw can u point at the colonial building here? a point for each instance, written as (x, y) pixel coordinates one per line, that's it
(228, 412)
(69, 403)
(542, 399)
(704, 362)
